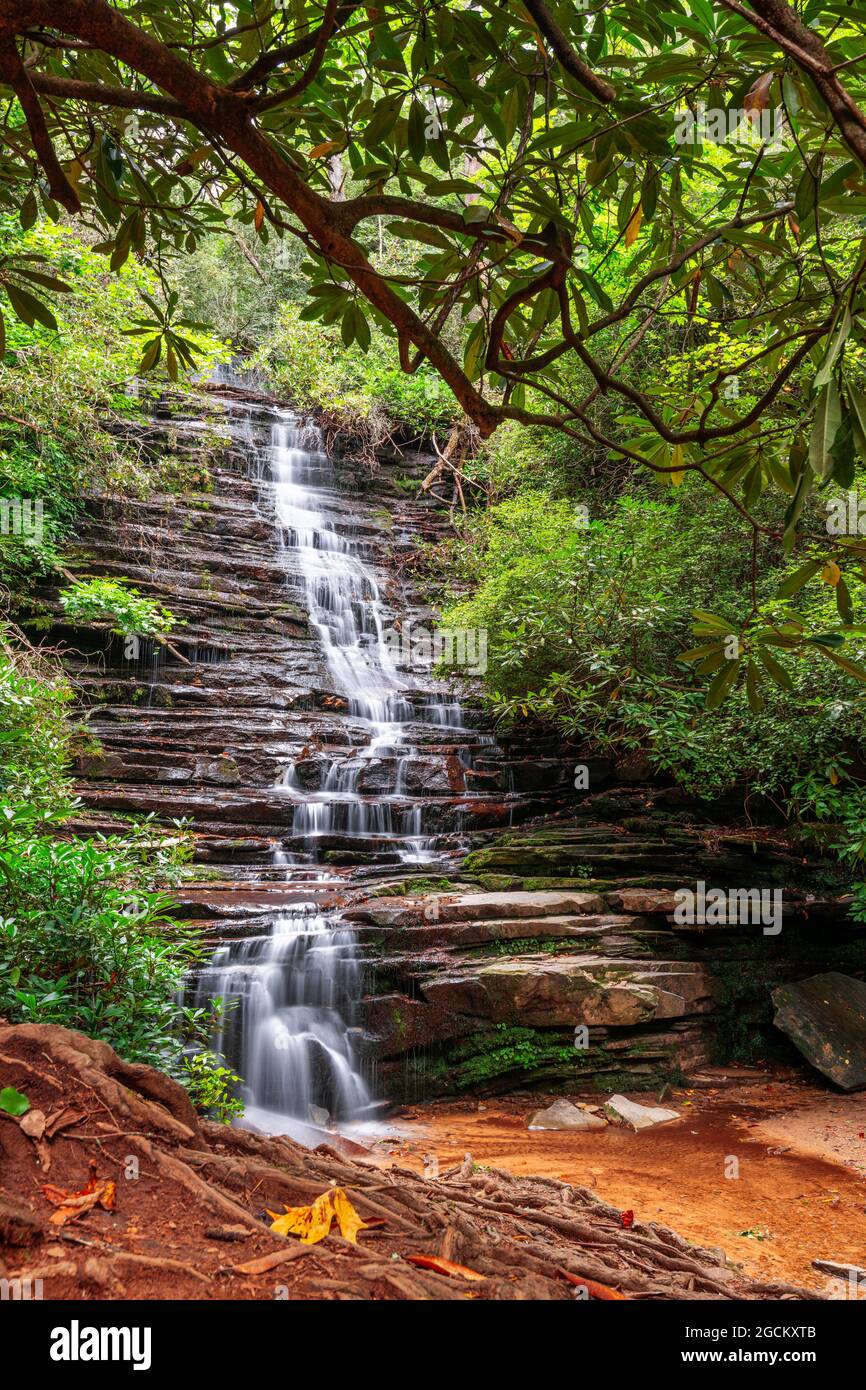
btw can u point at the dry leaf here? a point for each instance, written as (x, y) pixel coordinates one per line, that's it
(443, 1266)
(71, 1205)
(595, 1290)
(313, 1223)
(508, 227)
(263, 1263)
(758, 96)
(259, 215)
(62, 1119)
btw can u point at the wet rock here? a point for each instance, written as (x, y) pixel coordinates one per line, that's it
(476, 907)
(629, 1112)
(825, 1017)
(101, 764)
(563, 1115)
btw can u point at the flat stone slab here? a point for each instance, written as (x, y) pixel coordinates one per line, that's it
(629, 1112)
(825, 1017)
(563, 1115)
(556, 990)
(475, 907)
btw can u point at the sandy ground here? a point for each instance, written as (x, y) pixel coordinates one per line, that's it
(766, 1166)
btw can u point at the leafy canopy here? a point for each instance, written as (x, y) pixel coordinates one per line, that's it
(710, 155)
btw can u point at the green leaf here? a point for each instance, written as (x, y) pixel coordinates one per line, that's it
(836, 343)
(828, 417)
(843, 602)
(417, 131)
(711, 622)
(13, 1102)
(775, 669)
(753, 693)
(28, 308)
(29, 211)
(722, 684)
(799, 578)
(473, 353)
(151, 356)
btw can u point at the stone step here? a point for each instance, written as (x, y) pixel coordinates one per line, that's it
(474, 907)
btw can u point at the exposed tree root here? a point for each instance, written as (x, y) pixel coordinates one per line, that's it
(529, 1238)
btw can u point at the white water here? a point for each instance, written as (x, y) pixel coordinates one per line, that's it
(347, 611)
(292, 993)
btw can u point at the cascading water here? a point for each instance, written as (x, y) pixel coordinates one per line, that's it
(287, 1030)
(290, 994)
(346, 610)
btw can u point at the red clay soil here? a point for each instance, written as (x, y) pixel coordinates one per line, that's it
(797, 1192)
(190, 1219)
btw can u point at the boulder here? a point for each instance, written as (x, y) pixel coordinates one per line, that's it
(558, 990)
(563, 1115)
(629, 1112)
(825, 1017)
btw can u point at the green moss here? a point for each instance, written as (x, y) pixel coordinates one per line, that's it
(413, 886)
(522, 945)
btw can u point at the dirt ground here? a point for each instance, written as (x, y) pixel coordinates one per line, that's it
(800, 1152)
(112, 1187)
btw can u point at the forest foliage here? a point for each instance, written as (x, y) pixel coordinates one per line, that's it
(626, 243)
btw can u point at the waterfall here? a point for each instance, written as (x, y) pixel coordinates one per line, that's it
(290, 994)
(287, 1029)
(347, 612)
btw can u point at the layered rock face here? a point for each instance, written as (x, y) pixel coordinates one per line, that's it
(397, 903)
(521, 980)
(244, 718)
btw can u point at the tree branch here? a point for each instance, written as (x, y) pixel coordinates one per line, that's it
(267, 63)
(778, 21)
(13, 72)
(574, 66)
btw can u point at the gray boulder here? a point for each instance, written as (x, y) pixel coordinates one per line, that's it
(563, 1115)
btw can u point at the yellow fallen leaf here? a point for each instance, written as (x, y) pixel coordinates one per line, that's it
(349, 1220)
(313, 1223)
(831, 573)
(326, 147)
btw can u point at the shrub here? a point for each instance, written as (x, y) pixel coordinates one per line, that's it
(118, 602)
(87, 939)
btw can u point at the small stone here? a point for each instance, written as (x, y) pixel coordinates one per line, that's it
(319, 1116)
(629, 1112)
(563, 1115)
